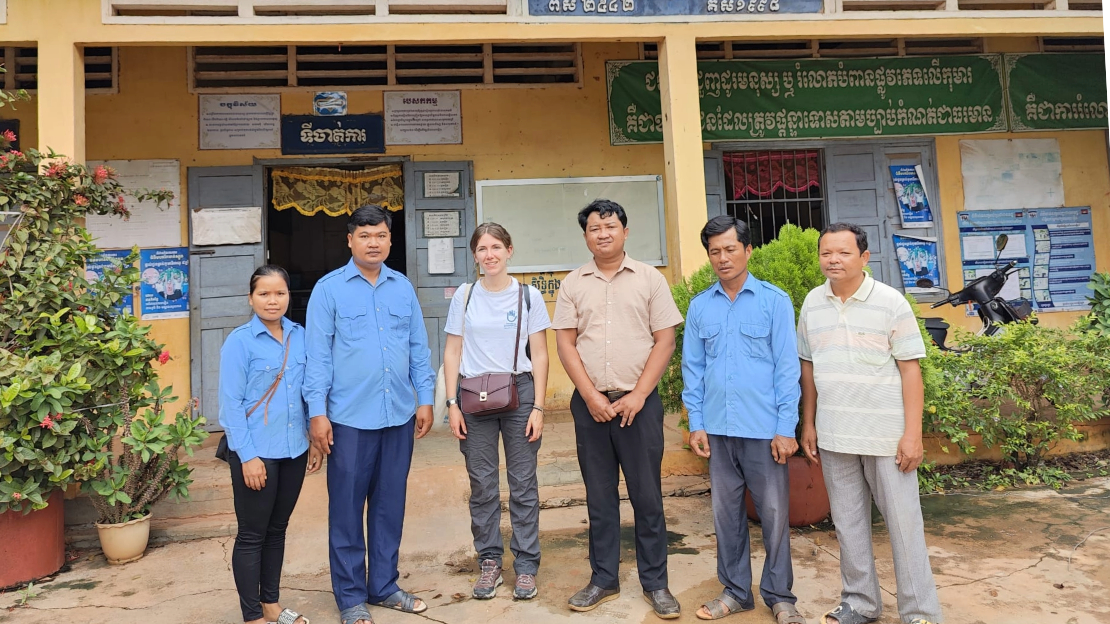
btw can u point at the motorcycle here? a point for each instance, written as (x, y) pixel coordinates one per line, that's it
(994, 311)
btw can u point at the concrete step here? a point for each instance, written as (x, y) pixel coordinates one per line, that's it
(438, 479)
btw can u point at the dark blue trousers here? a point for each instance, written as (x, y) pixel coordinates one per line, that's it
(367, 470)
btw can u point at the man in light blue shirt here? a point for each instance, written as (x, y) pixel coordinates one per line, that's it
(740, 375)
(368, 372)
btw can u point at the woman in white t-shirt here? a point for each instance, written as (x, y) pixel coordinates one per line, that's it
(485, 342)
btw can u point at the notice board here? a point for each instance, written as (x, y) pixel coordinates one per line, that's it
(1054, 249)
(150, 224)
(544, 212)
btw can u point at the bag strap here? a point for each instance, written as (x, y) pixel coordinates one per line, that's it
(519, 322)
(269, 394)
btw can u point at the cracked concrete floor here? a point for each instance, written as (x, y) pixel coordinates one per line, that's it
(998, 557)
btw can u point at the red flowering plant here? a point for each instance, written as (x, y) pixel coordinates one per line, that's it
(74, 370)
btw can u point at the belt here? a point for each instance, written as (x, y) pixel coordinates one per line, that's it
(615, 395)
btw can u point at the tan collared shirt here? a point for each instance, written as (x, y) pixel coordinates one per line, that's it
(615, 319)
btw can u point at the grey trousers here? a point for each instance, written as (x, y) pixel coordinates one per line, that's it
(852, 480)
(736, 465)
(483, 458)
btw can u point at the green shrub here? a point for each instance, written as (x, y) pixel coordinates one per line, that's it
(1100, 303)
(789, 262)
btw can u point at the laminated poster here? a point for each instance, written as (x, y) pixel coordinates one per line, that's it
(917, 259)
(913, 200)
(164, 283)
(108, 261)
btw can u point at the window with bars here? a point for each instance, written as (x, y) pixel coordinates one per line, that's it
(21, 65)
(769, 188)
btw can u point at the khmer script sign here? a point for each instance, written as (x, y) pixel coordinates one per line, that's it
(349, 134)
(1057, 91)
(817, 98)
(649, 8)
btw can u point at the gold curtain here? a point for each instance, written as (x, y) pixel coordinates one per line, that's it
(337, 192)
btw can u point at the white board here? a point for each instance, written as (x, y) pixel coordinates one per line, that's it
(1011, 174)
(242, 121)
(423, 117)
(149, 225)
(542, 216)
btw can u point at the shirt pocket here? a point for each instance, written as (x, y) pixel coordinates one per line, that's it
(352, 323)
(399, 318)
(259, 380)
(757, 337)
(294, 373)
(711, 335)
(869, 348)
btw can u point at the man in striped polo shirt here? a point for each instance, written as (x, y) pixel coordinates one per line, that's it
(862, 397)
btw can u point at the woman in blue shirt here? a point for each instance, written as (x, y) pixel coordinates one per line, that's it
(264, 417)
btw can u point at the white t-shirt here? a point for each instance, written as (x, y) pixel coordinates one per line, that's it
(491, 326)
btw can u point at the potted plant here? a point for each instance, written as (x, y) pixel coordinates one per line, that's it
(791, 263)
(138, 467)
(65, 347)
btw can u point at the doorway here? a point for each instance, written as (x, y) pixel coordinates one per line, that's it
(306, 221)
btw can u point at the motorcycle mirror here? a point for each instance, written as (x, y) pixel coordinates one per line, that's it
(1001, 242)
(924, 283)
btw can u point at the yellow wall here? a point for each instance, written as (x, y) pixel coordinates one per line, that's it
(508, 133)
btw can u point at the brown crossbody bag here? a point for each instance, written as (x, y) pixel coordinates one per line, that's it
(222, 451)
(491, 393)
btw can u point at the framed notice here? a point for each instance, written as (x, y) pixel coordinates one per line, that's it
(240, 121)
(441, 184)
(423, 118)
(442, 224)
(150, 224)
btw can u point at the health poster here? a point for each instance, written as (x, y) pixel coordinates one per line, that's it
(109, 260)
(164, 283)
(913, 201)
(1053, 247)
(917, 260)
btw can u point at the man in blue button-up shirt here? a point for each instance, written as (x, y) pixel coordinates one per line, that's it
(368, 373)
(740, 373)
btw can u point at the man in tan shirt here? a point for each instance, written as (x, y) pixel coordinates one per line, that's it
(614, 322)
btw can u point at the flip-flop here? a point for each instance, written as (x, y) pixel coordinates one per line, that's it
(721, 606)
(845, 614)
(353, 614)
(401, 600)
(787, 613)
(289, 616)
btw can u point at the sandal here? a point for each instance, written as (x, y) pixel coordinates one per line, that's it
(787, 613)
(401, 600)
(721, 606)
(845, 614)
(289, 616)
(355, 614)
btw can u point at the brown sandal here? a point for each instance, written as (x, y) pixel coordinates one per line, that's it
(787, 613)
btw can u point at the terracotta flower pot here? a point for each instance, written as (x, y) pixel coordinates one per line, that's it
(124, 543)
(33, 545)
(809, 502)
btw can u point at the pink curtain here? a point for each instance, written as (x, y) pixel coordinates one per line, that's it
(762, 173)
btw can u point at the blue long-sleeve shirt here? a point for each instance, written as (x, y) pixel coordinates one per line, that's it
(740, 370)
(249, 362)
(367, 350)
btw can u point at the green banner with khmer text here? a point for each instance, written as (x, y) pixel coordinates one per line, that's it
(1056, 91)
(744, 100)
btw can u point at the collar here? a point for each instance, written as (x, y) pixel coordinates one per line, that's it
(861, 294)
(350, 270)
(258, 327)
(591, 266)
(750, 284)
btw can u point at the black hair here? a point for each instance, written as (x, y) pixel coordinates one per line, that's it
(722, 224)
(267, 270)
(369, 215)
(861, 236)
(603, 208)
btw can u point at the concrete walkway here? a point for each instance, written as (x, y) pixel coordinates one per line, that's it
(999, 556)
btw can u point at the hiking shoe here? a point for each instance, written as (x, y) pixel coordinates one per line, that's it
(525, 587)
(488, 581)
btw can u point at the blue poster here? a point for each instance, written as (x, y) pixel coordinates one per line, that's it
(913, 201)
(164, 283)
(1054, 249)
(917, 260)
(108, 261)
(648, 8)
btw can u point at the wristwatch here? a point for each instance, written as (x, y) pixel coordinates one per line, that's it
(452, 402)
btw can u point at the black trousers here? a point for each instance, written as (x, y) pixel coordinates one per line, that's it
(604, 451)
(263, 516)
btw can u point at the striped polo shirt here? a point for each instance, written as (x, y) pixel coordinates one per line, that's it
(853, 346)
